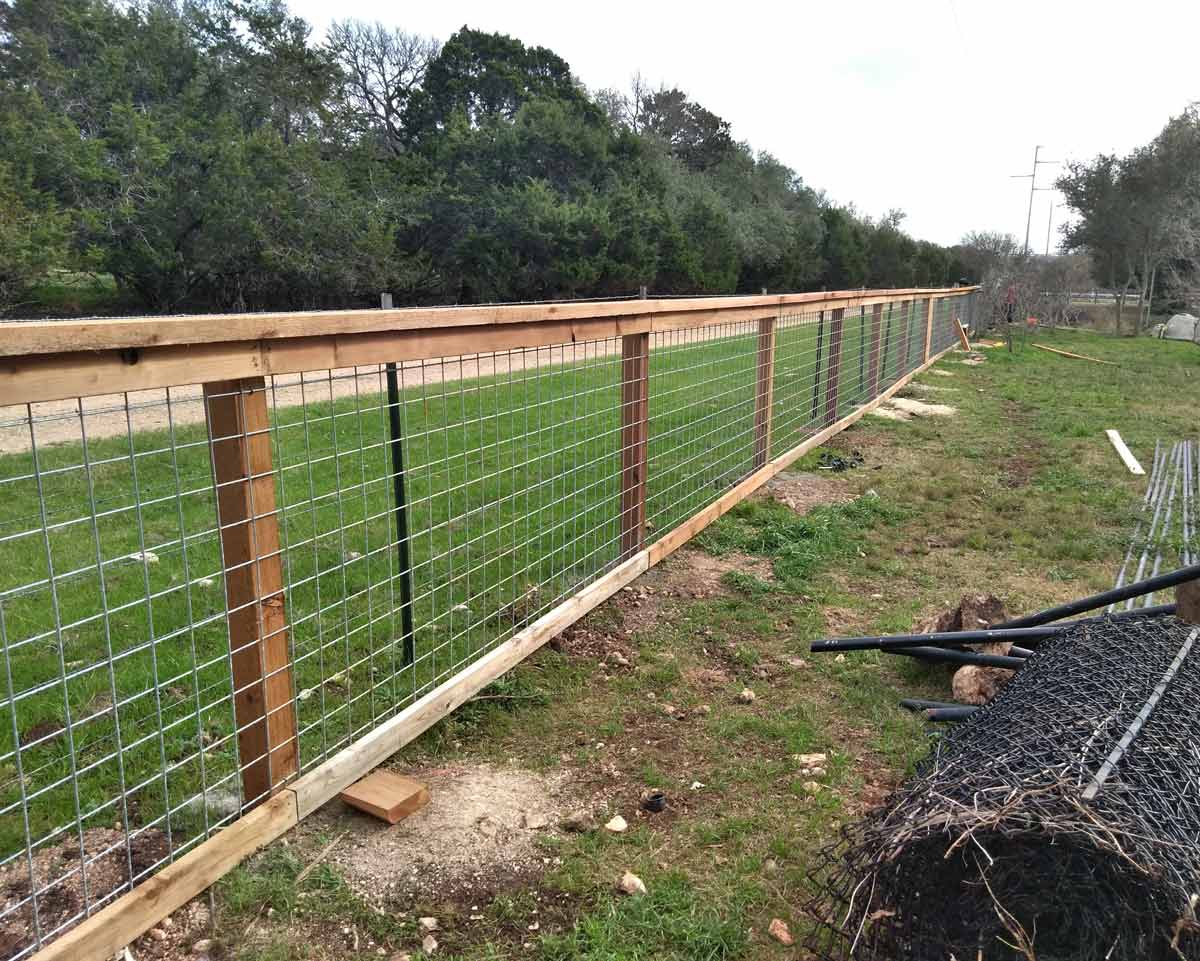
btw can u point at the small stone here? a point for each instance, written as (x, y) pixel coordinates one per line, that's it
(206, 582)
(533, 927)
(579, 822)
(704, 709)
(203, 946)
(536, 822)
(811, 787)
(841, 658)
(747, 696)
(697, 785)
(427, 924)
(668, 709)
(620, 659)
(630, 883)
(158, 934)
(617, 825)
(168, 922)
(402, 956)
(779, 931)
(797, 662)
(429, 944)
(810, 760)
(770, 866)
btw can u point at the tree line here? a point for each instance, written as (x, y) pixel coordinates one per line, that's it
(209, 154)
(1138, 217)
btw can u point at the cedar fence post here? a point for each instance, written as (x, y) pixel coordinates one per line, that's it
(764, 391)
(240, 443)
(833, 381)
(929, 327)
(635, 411)
(876, 343)
(907, 308)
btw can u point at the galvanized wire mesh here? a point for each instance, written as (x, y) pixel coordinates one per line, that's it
(397, 534)
(1060, 821)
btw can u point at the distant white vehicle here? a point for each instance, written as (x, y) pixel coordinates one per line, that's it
(1181, 327)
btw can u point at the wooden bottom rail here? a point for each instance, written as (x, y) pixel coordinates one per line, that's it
(109, 930)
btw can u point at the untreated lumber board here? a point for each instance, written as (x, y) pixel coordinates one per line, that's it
(42, 337)
(833, 379)
(119, 924)
(1125, 453)
(387, 795)
(240, 443)
(1067, 353)
(876, 347)
(75, 372)
(930, 306)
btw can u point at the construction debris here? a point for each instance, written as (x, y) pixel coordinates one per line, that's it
(1067, 353)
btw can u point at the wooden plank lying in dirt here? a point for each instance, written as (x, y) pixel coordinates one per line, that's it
(1125, 453)
(387, 795)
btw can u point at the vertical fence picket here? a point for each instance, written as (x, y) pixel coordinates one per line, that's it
(930, 306)
(635, 410)
(764, 391)
(876, 344)
(240, 443)
(834, 377)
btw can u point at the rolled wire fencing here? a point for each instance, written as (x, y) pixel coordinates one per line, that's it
(349, 539)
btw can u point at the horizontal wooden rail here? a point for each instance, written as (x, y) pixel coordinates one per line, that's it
(46, 361)
(109, 930)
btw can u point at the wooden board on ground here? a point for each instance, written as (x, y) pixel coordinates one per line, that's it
(1126, 454)
(1067, 353)
(387, 795)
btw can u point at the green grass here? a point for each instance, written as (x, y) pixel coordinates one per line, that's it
(514, 502)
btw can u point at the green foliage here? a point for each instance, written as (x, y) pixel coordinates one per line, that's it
(212, 156)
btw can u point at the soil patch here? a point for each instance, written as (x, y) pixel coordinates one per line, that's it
(803, 491)
(905, 408)
(477, 836)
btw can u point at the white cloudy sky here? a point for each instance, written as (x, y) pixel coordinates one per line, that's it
(925, 105)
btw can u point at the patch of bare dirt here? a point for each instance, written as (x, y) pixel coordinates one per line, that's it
(478, 835)
(803, 491)
(905, 408)
(65, 880)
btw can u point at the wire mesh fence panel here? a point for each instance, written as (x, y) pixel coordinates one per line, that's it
(208, 590)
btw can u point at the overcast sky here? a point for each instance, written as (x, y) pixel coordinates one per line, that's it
(925, 106)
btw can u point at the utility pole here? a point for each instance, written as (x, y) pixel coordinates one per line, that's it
(1033, 188)
(1049, 221)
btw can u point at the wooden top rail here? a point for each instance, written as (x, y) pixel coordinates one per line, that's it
(56, 360)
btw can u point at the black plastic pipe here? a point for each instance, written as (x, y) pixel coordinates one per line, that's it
(920, 704)
(950, 713)
(960, 657)
(1148, 586)
(886, 642)
(400, 510)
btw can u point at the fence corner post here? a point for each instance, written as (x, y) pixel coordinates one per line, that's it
(248, 522)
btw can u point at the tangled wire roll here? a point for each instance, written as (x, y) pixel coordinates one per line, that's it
(1062, 821)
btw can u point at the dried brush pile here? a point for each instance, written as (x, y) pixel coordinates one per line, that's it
(1062, 821)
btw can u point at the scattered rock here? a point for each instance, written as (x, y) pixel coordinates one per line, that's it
(536, 822)
(427, 924)
(429, 944)
(579, 822)
(840, 659)
(402, 956)
(770, 866)
(206, 581)
(146, 557)
(779, 931)
(797, 662)
(812, 787)
(618, 658)
(158, 934)
(630, 883)
(203, 946)
(810, 760)
(747, 696)
(617, 825)
(704, 709)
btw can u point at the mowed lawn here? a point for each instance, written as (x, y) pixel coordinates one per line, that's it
(112, 601)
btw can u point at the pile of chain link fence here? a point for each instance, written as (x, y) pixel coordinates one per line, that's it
(1061, 821)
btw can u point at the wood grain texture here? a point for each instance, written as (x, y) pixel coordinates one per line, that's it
(930, 306)
(47, 337)
(833, 379)
(240, 441)
(386, 795)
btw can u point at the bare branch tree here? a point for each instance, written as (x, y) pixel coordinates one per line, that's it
(383, 68)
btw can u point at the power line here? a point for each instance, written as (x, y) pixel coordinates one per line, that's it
(1033, 188)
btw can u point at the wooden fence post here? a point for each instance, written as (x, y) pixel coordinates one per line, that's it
(635, 416)
(876, 344)
(764, 391)
(907, 307)
(929, 327)
(833, 381)
(238, 426)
